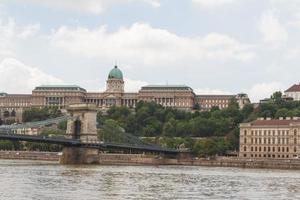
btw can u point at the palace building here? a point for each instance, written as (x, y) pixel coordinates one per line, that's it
(176, 96)
(270, 138)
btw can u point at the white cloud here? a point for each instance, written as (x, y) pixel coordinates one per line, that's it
(133, 85)
(271, 28)
(11, 33)
(17, 77)
(212, 3)
(29, 31)
(264, 90)
(88, 6)
(150, 46)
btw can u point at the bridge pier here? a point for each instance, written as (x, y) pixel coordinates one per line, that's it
(77, 155)
(81, 127)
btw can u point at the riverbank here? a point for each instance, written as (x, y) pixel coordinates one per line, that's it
(141, 159)
(30, 155)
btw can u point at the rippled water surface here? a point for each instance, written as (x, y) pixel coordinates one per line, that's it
(41, 180)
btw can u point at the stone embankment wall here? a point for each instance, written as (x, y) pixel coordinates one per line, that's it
(250, 163)
(29, 155)
(121, 159)
(141, 159)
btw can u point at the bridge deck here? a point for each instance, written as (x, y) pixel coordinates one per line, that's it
(78, 143)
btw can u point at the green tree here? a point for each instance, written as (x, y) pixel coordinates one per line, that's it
(111, 131)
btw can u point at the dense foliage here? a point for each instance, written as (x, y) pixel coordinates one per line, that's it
(212, 132)
(39, 114)
(175, 128)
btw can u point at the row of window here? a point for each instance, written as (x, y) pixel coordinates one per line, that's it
(270, 149)
(215, 105)
(270, 156)
(16, 104)
(269, 132)
(270, 141)
(216, 101)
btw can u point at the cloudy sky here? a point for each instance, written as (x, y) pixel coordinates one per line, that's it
(213, 46)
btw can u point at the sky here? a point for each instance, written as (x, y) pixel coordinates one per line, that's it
(213, 46)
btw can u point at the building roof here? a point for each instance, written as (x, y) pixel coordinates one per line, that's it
(60, 87)
(167, 87)
(274, 122)
(3, 94)
(115, 73)
(294, 88)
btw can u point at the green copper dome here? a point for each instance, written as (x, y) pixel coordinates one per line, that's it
(115, 73)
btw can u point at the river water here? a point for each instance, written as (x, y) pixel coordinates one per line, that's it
(44, 180)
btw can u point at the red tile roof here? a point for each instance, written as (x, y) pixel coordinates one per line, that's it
(273, 122)
(294, 88)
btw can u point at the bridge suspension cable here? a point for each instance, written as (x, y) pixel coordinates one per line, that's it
(36, 124)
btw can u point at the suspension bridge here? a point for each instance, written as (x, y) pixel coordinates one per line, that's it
(81, 140)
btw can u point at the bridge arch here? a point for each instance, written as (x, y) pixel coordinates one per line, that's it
(13, 113)
(6, 114)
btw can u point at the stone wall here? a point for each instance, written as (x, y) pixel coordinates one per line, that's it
(26, 155)
(140, 159)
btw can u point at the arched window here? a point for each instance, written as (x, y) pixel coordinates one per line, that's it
(245, 148)
(6, 114)
(295, 132)
(13, 113)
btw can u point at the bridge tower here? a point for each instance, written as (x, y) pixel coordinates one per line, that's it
(83, 124)
(82, 127)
